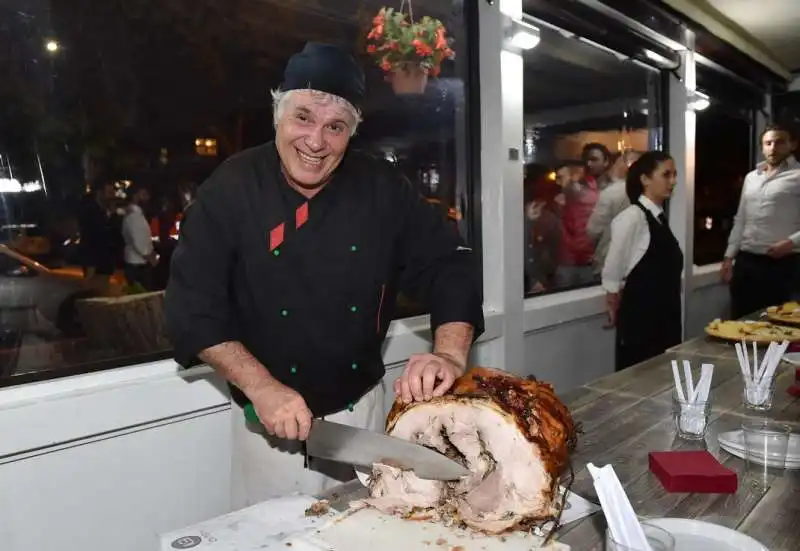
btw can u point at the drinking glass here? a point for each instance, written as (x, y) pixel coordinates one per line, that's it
(759, 398)
(691, 419)
(766, 445)
(658, 538)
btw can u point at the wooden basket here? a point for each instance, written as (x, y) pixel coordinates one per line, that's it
(130, 324)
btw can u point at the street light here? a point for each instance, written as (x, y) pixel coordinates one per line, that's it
(52, 46)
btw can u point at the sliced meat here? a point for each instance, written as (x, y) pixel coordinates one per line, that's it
(514, 436)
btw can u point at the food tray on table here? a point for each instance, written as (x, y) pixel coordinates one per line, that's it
(788, 312)
(762, 332)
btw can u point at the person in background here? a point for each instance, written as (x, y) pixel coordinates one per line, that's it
(542, 236)
(762, 255)
(576, 250)
(286, 276)
(568, 173)
(643, 268)
(99, 235)
(611, 201)
(597, 159)
(140, 255)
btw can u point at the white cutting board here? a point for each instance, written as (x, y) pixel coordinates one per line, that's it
(367, 529)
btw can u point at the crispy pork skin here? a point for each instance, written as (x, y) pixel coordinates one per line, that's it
(514, 436)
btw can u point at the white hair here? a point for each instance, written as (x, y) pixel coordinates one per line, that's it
(280, 99)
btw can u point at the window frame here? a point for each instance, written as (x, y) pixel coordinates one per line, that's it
(656, 134)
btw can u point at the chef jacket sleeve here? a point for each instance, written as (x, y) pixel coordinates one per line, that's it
(197, 302)
(437, 268)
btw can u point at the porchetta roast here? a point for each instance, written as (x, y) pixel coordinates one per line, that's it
(513, 435)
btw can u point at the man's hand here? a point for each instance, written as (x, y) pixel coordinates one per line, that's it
(781, 248)
(281, 410)
(418, 381)
(537, 287)
(612, 307)
(726, 270)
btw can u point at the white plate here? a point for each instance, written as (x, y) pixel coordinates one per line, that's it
(732, 443)
(735, 440)
(695, 535)
(792, 358)
(790, 465)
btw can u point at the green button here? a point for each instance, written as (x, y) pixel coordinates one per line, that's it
(284, 313)
(350, 406)
(354, 308)
(353, 248)
(293, 369)
(276, 252)
(354, 366)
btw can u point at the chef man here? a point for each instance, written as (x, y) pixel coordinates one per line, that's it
(286, 273)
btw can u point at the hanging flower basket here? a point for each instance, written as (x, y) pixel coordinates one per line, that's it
(408, 51)
(408, 79)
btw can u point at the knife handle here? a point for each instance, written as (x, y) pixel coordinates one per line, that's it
(251, 415)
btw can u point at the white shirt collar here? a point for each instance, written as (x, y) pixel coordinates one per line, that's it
(650, 205)
(790, 163)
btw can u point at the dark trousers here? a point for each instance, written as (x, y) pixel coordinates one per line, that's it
(141, 274)
(760, 281)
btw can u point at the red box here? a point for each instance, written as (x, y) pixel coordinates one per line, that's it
(696, 472)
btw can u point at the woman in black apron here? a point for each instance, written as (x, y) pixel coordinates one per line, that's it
(642, 272)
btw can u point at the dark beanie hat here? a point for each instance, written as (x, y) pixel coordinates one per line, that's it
(326, 68)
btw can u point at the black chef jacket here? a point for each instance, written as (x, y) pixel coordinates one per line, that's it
(309, 286)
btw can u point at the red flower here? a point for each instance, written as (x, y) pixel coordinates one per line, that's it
(385, 65)
(372, 48)
(441, 41)
(435, 70)
(421, 48)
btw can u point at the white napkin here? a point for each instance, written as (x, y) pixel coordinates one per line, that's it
(620, 516)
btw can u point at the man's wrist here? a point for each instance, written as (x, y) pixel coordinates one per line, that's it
(460, 365)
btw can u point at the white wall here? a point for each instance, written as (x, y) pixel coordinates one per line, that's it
(119, 490)
(710, 299)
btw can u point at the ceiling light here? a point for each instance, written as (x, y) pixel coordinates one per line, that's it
(520, 35)
(524, 40)
(698, 101)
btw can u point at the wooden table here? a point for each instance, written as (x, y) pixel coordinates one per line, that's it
(628, 414)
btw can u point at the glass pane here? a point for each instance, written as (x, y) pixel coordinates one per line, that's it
(723, 158)
(588, 112)
(97, 102)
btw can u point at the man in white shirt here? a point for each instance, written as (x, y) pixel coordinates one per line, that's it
(612, 201)
(140, 255)
(765, 239)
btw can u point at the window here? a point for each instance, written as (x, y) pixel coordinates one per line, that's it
(99, 101)
(723, 157)
(588, 111)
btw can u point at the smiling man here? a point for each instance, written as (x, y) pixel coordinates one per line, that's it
(286, 275)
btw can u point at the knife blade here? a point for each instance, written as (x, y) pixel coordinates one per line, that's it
(364, 448)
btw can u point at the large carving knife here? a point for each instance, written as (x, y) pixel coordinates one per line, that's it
(345, 444)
